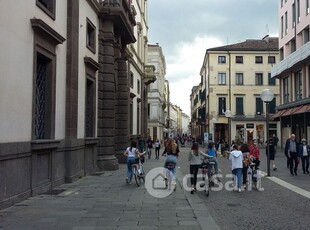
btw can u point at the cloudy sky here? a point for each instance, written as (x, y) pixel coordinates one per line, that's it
(186, 28)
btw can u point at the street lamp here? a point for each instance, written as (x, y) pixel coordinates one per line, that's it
(228, 115)
(267, 96)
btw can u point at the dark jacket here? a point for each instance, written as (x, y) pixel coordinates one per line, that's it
(287, 146)
(301, 150)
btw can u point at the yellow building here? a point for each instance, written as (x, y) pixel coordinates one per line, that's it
(234, 76)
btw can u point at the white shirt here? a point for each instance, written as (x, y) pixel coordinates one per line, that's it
(131, 153)
(236, 158)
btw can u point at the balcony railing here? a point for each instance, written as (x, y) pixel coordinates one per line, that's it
(296, 57)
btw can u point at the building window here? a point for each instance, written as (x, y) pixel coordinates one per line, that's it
(282, 27)
(138, 118)
(90, 108)
(293, 45)
(138, 86)
(44, 102)
(259, 106)
(131, 117)
(239, 105)
(271, 80)
(221, 59)
(91, 36)
(149, 110)
(131, 79)
(298, 85)
(239, 59)
(239, 78)
(298, 11)
(286, 23)
(222, 78)
(307, 7)
(48, 6)
(286, 93)
(293, 15)
(258, 79)
(222, 105)
(306, 35)
(271, 59)
(272, 106)
(258, 59)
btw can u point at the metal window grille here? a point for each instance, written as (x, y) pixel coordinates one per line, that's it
(40, 99)
(89, 113)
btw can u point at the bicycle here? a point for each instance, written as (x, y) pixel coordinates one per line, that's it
(169, 177)
(138, 170)
(208, 179)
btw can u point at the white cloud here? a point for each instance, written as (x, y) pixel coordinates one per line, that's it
(183, 69)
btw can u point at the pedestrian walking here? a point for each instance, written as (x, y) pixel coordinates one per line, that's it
(131, 153)
(149, 144)
(304, 154)
(236, 158)
(245, 163)
(291, 152)
(157, 148)
(195, 163)
(271, 149)
(275, 141)
(254, 153)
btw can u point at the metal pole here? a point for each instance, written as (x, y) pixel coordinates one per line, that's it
(267, 130)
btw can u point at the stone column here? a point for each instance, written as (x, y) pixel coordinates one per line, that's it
(122, 105)
(106, 98)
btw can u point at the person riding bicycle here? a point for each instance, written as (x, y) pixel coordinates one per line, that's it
(131, 152)
(172, 152)
(212, 157)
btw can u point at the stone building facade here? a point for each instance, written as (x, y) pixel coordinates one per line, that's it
(64, 92)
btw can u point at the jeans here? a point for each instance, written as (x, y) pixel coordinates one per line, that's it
(237, 176)
(305, 163)
(193, 170)
(130, 162)
(213, 159)
(157, 153)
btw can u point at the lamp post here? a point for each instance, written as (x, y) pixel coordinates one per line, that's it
(228, 115)
(267, 96)
(213, 129)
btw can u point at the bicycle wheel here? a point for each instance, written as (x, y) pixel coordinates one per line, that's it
(142, 174)
(207, 184)
(136, 175)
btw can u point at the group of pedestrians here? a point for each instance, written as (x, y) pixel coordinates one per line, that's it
(294, 152)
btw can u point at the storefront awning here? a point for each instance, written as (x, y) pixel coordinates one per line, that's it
(278, 114)
(292, 111)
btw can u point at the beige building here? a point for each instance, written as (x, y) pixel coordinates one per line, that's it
(157, 94)
(234, 77)
(293, 70)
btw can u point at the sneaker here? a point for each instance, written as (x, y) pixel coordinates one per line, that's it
(239, 189)
(127, 180)
(192, 191)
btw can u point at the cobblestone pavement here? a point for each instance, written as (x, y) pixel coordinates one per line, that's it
(106, 202)
(276, 207)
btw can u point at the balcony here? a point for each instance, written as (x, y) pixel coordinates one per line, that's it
(149, 77)
(298, 56)
(120, 13)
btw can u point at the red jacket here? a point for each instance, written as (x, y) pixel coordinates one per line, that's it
(254, 151)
